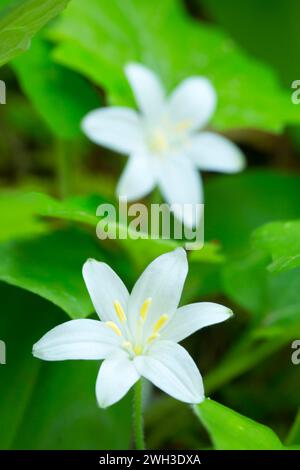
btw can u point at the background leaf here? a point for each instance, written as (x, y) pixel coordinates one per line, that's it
(175, 47)
(61, 96)
(231, 431)
(51, 266)
(21, 20)
(281, 240)
(50, 405)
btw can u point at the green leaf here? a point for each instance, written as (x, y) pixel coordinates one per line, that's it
(236, 205)
(280, 240)
(51, 266)
(293, 437)
(21, 20)
(142, 251)
(99, 38)
(48, 405)
(18, 218)
(230, 430)
(59, 95)
(245, 281)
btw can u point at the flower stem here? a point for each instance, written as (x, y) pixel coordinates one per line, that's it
(138, 416)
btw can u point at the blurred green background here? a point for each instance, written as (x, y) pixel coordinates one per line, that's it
(58, 63)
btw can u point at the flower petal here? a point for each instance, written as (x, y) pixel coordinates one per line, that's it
(77, 339)
(119, 129)
(162, 281)
(192, 103)
(214, 152)
(191, 318)
(116, 376)
(171, 368)
(147, 89)
(181, 186)
(105, 287)
(137, 179)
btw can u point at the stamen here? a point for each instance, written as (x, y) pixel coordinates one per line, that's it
(137, 349)
(145, 308)
(159, 142)
(183, 125)
(157, 327)
(120, 312)
(114, 327)
(152, 337)
(160, 323)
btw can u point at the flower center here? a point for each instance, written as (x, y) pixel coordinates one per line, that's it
(158, 142)
(137, 345)
(168, 137)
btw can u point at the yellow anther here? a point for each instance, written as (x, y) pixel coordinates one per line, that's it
(183, 125)
(159, 142)
(137, 349)
(114, 327)
(159, 324)
(157, 327)
(145, 308)
(152, 337)
(120, 312)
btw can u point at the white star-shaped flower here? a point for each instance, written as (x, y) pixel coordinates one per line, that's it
(163, 141)
(137, 334)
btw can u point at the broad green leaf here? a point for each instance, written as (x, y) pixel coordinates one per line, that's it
(230, 430)
(235, 205)
(50, 266)
(294, 434)
(21, 20)
(99, 38)
(50, 405)
(18, 218)
(272, 299)
(59, 95)
(83, 210)
(245, 281)
(280, 240)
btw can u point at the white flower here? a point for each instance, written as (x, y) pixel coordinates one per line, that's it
(162, 140)
(137, 334)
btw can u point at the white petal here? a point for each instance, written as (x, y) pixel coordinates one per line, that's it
(77, 339)
(105, 287)
(191, 318)
(192, 103)
(214, 152)
(163, 282)
(147, 89)
(116, 376)
(119, 129)
(137, 179)
(181, 186)
(171, 368)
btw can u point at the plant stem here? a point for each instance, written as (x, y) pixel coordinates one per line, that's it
(138, 416)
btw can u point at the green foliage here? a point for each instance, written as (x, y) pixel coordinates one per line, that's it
(18, 218)
(61, 96)
(50, 405)
(280, 240)
(21, 20)
(99, 38)
(236, 205)
(51, 266)
(230, 430)
(250, 260)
